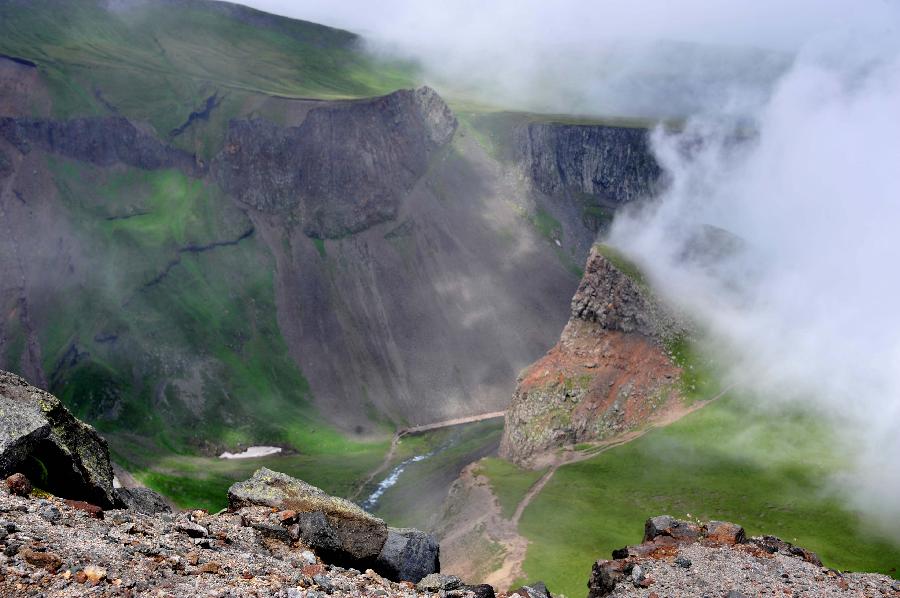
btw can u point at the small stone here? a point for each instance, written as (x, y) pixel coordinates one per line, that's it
(47, 560)
(18, 484)
(637, 575)
(92, 510)
(308, 557)
(294, 532)
(323, 582)
(50, 513)
(8, 526)
(94, 574)
(192, 529)
(683, 562)
(313, 570)
(287, 516)
(436, 582)
(211, 567)
(722, 532)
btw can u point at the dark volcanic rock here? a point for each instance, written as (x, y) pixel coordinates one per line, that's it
(610, 296)
(143, 500)
(104, 141)
(535, 590)
(409, 555)
(332, 526)
(57, 452)
(665, 525)
(346, 167)
(615, 165)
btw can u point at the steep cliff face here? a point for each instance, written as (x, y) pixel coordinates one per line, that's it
(582, 174)
(104, 141)
(347, 166)
(614, 165)
(144, 287)
(608, 373)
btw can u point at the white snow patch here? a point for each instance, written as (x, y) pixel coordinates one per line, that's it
(252, 452)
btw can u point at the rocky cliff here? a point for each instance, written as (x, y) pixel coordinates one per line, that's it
(583, 173)
(104, 141)
(609, 372)
(347, 166)
(614, 165)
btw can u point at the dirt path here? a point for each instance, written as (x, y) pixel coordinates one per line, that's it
(517, 546)
(389, 457)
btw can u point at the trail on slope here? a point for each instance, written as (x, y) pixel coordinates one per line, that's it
(517, 545)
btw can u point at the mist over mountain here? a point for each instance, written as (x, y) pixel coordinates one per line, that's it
(652, 58)
(461, 295)
(804, 306)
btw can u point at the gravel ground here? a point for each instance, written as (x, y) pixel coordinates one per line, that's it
(51, 549)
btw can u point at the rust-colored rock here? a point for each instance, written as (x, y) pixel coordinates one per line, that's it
(90, 509)
(47, 560)
(722, 532)
(287, 516)
(18, 484)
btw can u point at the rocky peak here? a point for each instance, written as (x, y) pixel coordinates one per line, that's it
(609, 372)
(613, 294)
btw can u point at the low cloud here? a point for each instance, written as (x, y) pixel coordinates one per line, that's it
(804, 297)
(649, 58)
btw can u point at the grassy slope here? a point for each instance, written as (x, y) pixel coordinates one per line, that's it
(726, 462)
(211, 319)
(509, 482)
(210, 323)
(158, 63)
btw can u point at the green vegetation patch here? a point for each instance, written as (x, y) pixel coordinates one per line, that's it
(509, 482)
(159, 62)
(728, 461)
(622, 264)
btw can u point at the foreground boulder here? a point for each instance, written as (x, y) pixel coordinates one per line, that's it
(143, 500)
(409, 555)
(335, 528)
(40, 439)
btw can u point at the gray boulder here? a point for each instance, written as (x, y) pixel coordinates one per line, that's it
(56, 451)
(338, 530)
(409, 555)
(436, 582)
(143, 500)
